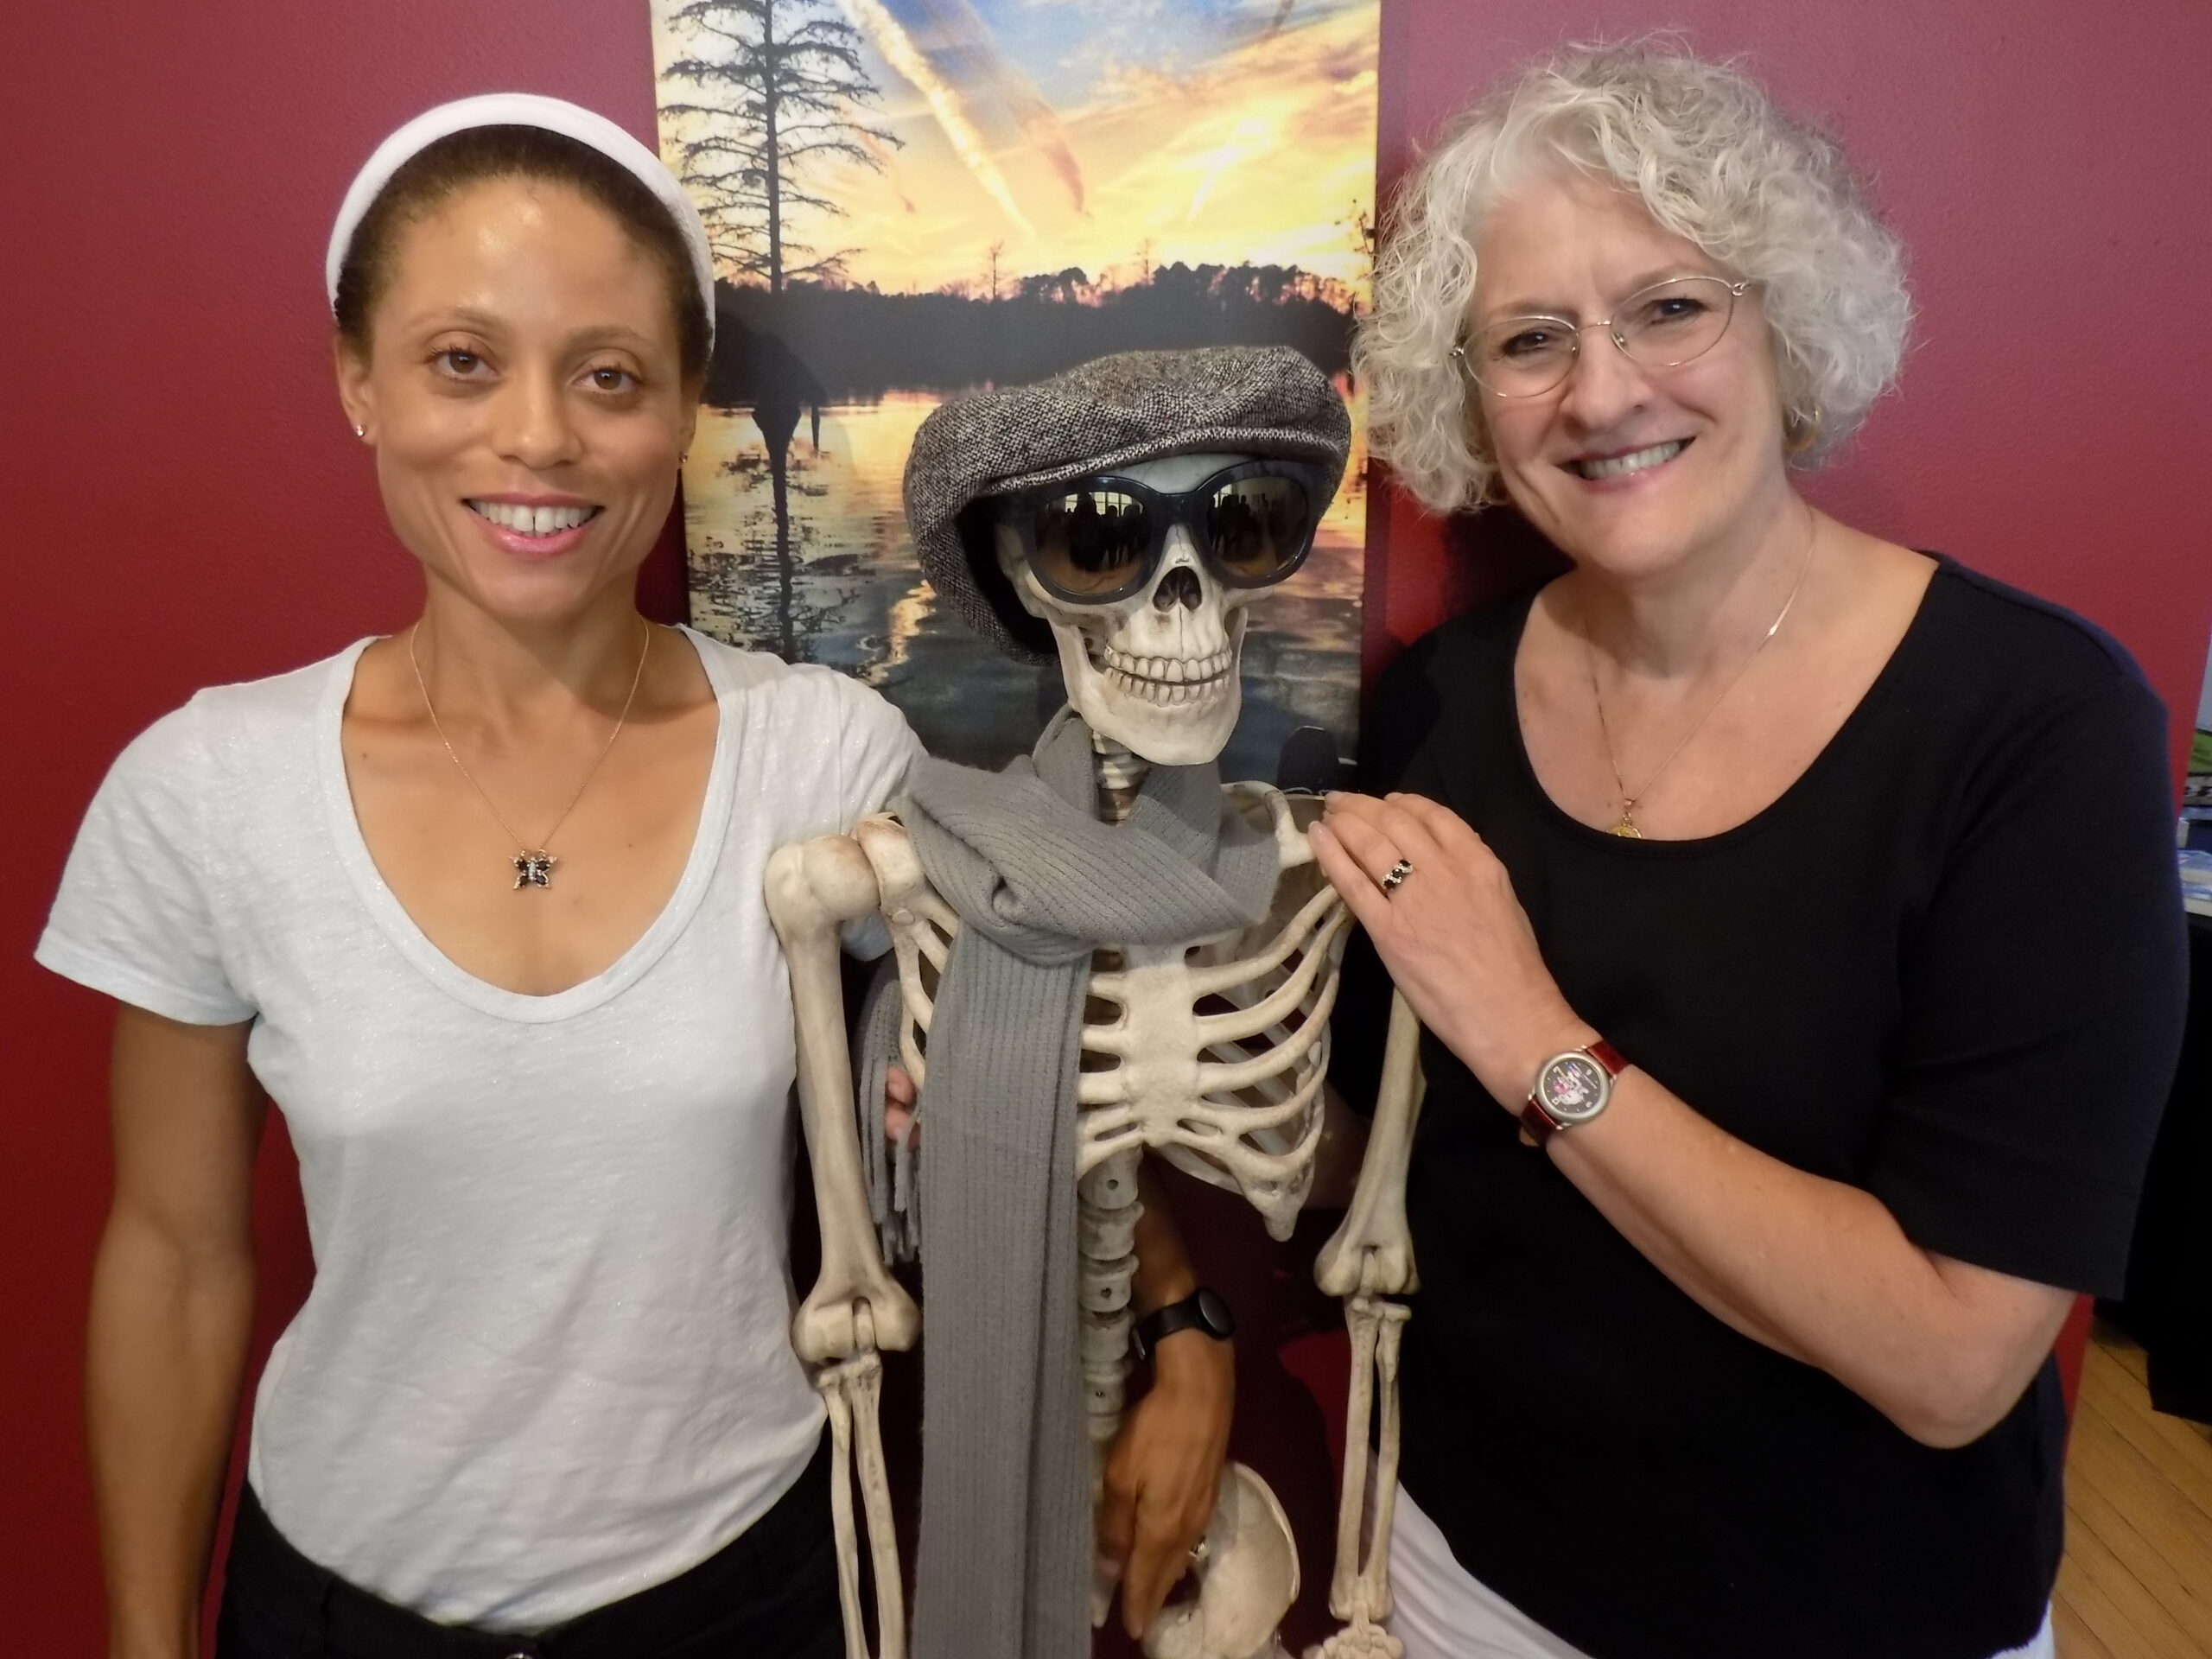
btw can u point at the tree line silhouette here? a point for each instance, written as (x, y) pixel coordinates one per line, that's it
(813, 343)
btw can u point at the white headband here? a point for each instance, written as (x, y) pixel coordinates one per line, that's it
(521, 109)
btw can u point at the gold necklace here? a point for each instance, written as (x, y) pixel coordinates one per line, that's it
(1626, 826)
(533, 867)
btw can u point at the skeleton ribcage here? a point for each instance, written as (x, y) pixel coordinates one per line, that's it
(1212, 1052)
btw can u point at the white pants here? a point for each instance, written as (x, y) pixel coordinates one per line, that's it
(1444, 1613)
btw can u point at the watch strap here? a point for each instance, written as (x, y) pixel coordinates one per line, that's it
(1536, 1121)
(1202, 1310)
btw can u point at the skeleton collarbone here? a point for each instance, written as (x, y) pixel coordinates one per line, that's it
(1211, 1053)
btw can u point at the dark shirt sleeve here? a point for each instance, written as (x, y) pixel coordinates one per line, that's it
(2043, 996)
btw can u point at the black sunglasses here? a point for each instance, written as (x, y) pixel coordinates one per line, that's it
(1099, 539)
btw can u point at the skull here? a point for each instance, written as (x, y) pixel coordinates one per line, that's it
(1156, 672)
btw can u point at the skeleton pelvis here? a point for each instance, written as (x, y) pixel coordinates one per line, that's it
(1246, 1582)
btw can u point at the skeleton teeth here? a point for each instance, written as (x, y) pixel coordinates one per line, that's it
(1154, 672)
(1168, 681)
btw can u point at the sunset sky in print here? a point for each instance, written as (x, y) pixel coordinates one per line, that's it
(1077, 132)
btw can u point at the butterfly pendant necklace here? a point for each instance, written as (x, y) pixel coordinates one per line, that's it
(532, 866)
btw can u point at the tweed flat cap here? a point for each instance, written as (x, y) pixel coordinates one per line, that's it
(1113, 411)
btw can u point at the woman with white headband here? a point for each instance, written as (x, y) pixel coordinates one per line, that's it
(479, 905)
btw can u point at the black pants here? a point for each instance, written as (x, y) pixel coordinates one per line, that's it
(771, 1594)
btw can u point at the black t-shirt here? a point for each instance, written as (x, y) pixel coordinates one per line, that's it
(1945, 966)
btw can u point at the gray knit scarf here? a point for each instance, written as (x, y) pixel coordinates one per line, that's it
(1038, 883)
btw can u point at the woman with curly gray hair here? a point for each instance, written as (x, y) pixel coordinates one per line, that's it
(1805, 903)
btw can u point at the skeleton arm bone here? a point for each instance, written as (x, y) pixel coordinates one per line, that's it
(1372, 1251)
(856, 1305)
(1369, 1259)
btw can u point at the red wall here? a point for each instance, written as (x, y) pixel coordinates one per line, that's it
(184, 504)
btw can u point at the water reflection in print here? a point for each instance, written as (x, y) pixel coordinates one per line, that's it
(798, 546)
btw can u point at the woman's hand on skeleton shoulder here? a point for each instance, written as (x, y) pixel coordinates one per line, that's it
(1452, 933)
(1164, 1470)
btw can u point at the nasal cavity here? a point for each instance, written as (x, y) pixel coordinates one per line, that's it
(1179, 587)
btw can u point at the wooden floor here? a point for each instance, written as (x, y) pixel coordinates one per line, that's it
(2137, 1581)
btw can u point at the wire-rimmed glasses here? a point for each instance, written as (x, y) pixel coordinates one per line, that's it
(1662, 327)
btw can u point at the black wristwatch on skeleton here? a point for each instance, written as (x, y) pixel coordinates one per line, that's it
(1202, 1310)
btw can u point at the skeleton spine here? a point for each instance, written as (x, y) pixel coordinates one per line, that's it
(1108, 1207)
(1107, 1242)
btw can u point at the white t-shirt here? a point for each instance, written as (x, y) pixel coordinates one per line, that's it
(545, 1361)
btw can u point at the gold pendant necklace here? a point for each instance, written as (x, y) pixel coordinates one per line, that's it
(1625, 827)
(533, 867)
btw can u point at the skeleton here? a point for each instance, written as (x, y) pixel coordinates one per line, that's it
(1211, 1054)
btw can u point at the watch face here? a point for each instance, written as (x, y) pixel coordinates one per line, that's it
(1572, 1087)
(1214, 1314)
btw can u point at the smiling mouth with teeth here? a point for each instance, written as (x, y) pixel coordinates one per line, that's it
(1621, 465)
(533, 521)
(1163, 679)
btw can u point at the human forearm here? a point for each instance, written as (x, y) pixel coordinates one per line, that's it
(1164, 1273)
(166, 1350)
(1165, 1466)
(1815, 1268)
(171, 1308)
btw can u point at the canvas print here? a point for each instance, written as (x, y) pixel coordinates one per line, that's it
(910, 199)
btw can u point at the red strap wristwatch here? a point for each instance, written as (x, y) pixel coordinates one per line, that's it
(1570, 1090)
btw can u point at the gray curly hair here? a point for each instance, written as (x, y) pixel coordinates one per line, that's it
(1714, 162)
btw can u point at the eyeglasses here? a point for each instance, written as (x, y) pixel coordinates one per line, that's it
(1662, 327)
(1098, 540)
